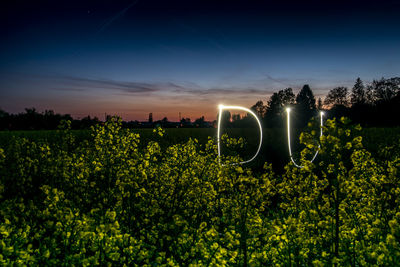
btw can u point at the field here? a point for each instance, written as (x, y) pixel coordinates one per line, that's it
(111, 196)
(274, 149)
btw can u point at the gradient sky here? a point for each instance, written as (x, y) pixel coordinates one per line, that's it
(134, 57)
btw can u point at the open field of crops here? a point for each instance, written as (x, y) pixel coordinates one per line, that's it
(274, 149)
(112, 196)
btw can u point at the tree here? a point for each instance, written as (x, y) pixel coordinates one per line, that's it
(87, 122)
(337, 97)
(370, 95)
(5, 119)
(226, 118)
(319, 105)
(279, 100)
(236, 117)
(259, 109)
(358, 95)
(287, 96)
(305, 106)
(275, 106)
(385, 89)
(305, 99)
(185, 120)
(200, 122)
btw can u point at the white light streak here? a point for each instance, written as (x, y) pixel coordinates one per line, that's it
(288, 134)
(221, 109)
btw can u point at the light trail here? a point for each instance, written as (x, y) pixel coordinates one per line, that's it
(288, 134)
(221, 109)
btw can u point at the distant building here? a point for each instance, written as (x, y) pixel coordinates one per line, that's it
(150, 117)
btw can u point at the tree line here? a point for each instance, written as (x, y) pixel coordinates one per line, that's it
(31, 119)
(376, 104)
(372, 105)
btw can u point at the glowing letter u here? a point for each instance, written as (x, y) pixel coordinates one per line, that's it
(221, 109)
(288, 134)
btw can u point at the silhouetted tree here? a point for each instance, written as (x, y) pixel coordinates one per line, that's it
(3, 113)
(236, 117)
(279, 100)
(385, 89)
(287, 96)
(275, 106)
(5, 119)
(225, 119)
(31, 120)
(259, 109)
(305, 99)
(200, 122)
(337, 96)
(86, 122)
(358, 94)
(185, 122)
(370, 95)
(305, 107)
(319, 104)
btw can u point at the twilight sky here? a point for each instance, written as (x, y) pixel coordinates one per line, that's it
(134, 57)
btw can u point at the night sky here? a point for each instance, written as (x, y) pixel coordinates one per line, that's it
(130, 58)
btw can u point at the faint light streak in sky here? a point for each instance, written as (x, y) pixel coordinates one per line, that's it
(109, 21)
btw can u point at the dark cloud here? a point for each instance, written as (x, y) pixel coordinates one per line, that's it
(79, 83)
(283, 81)
(225, 91)
(73, 83)
(69, 89)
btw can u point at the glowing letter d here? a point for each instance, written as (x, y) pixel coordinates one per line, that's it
(221, 109)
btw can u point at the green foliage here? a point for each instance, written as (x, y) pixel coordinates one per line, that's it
(114, 200)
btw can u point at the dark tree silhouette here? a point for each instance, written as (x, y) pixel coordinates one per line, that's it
(200, 122)
(373, 105)
(287, 96)
(236, 117)
(305, 99)
(226, 118)
(259, 109)
(358, 94)
(338, 96)
(319, 104)
(275, 106)
(385, 89)
(305, 107)
(370, 95)
(185, 120)
(87, 122)
(5, 120)
(31, 120)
